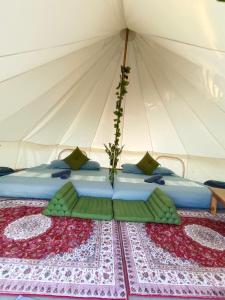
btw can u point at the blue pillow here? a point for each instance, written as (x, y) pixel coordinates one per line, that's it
(131, 168)
(59, 164)
(162, 171)
(90, 165)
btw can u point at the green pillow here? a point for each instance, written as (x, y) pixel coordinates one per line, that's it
(76, 159)
(147, 164)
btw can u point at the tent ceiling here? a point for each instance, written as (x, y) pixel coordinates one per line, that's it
(59, 66)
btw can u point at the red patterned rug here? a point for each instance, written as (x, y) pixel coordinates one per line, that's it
(176, 261)
(58, 256)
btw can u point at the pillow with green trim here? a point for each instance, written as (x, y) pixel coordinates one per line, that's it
(76, 159)
(147, 164)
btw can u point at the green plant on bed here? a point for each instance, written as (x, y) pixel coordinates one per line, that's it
(114, 149)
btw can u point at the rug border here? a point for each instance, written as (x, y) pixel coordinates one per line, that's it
(58, 296)
(157, 295)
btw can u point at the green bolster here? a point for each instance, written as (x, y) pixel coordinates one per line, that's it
(51, 205)
(178, 221)
(151, 216)
(170, 221)
(61, 213)
(173, 209)
(164, 198)
(168, 215)
(57, 213)
(161, 220)
(70, 205)
(171, 214)
(67, 200)
(153, 211)
(174, 221)
(156, 209)
(63, 190)
(71, 193)
(46, 211)
(157, 201)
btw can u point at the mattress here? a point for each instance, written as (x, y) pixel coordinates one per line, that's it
(184, 192)
(37, 183)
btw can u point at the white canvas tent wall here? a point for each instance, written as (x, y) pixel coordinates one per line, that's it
(59, 65)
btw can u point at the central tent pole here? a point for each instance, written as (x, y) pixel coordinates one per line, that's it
(125, 48)
(113, 149)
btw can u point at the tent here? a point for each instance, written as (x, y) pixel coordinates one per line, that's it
(59, 66)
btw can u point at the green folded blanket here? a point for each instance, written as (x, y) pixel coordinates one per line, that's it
(62, 202)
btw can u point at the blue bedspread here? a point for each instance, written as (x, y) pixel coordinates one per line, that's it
(37, 183)
(185, 193)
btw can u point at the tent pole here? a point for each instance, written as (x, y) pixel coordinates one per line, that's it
(125, 48)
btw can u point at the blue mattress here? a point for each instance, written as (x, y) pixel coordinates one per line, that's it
(37, 183)
(185, 193)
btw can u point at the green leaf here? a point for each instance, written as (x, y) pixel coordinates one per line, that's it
(113, 150)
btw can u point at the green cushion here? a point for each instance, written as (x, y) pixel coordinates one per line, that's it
(64, 190)
(76, 159)
(159, 208)
(131, 211)
(163, 208)
(62, 202)
(56, 213)
(147, 164)
(93, 208)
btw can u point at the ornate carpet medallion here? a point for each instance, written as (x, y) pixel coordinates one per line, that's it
(205, 236)
(27, 227)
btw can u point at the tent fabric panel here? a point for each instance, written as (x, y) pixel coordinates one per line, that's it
(205, 19)
(39, 24)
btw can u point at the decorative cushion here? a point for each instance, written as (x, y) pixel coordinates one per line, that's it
(131, 168)
(62, 202)
(215, 183)
(159, 208)
(163, 208)
(93, 208)
(91, 165)
(59, 164)
(76, 159)
(147, 164)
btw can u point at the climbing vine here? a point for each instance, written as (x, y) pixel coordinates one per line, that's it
(113, 149)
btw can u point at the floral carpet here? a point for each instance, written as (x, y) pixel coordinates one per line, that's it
(58, 256)
(176, 261)
(70, 257)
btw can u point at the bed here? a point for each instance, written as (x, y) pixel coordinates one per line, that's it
(37, 182)
(184, 192)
